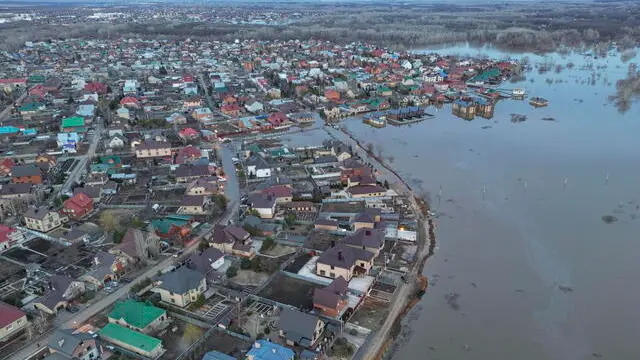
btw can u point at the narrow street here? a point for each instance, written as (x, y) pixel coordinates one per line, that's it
(83, 160)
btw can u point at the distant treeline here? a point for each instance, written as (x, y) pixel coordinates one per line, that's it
(530, 26)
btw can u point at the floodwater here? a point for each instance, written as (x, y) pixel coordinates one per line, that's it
(525, 267)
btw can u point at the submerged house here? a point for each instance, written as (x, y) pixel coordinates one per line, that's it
(463, 109)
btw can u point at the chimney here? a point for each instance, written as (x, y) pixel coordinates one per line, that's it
(339, 255)
(256, 344)
(367, 232)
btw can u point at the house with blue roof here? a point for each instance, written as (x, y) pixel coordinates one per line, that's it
(68, 141)
(265, 350)
(217, 355)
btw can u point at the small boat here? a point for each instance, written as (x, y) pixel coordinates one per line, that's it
(538, 101)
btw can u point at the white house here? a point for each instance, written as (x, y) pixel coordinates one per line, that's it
(264, 204)
(116, 142)
(257, 166)
(123, 112)
(254, 106)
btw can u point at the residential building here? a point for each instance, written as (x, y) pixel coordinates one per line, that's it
(232, 240)
(206, 261)
(73, 124)
(78, 206)
(194, 205)
(266, 350)
(132, 340)
(265, 205)
(42, 219)
(300, 329)
(130, 252)
(371, 240)
(181, 287)
(254, 106)
(257, 166)
(189, 172)
(136, 315)
(153, 149)
(343, 260)
(26, 174)
(12, 320)
(59, 291)
(106, 267)
(203, 186)
(330, 300)
(281, 193)
(326, 224)
(363, 191)
(72, 345)
(217, 355)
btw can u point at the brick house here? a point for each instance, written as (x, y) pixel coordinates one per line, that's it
(78, 206)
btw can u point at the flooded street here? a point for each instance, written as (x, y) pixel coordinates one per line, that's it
(538, 222)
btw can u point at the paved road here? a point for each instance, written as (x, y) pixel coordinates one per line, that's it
(83, 159)
(7, 110)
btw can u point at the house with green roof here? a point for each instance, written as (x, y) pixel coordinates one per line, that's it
(73, 124)
(132, 340)
(36, 79)
(31, 108)
(173, 225)
(139, 316)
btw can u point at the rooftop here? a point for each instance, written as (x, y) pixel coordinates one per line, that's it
(131, 337)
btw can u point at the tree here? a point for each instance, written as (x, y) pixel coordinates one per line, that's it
(110, 222)
(342, 348)
(220, 201)
(267, 244)
(203, 245)
(245, 264)
(290, 219)
(232, 271)
(141, 246)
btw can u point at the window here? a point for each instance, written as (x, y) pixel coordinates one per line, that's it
(173, 301)
(362, 264)
(333, 267)
(332, 275)
(322, 272)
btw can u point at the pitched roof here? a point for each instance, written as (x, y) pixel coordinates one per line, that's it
(366, 189)
(192, 200)
(9, 314)
(344, 256)
(202, 261)
(25, 170)
(65, 341)
(38, 213)
(266, 350)
(15, 189)
(152, 144)
(131, 337)
(136, 313)
(331, 295)
(298, 326)
(228, 234)
(181, 280)
(216, 355)
(188, 170)
(76, 121)
(262, 201)
(365, 237)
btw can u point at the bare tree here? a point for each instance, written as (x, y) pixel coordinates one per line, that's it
(110, 222)
(141, 246)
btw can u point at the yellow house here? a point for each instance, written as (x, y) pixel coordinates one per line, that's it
(298, 328)
(364, 191)
(152, 149)
(12, 320)
(345, 261)
(232, 240)
(181, 287)
(42, 219)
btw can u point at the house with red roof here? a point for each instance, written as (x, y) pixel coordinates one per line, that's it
(129, 101)
(231, 109)
(332, 95)
(188, 134)
(96, 87)
(38, 91)
(12, 321)
(78, 206)
(277, 119)
(9, 237)
(188, 154)
(6, 165)
(282, 193)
